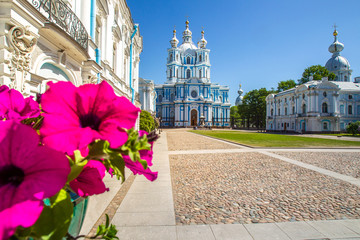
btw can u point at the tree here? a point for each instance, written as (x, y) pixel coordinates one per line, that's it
(235, 116)
(285, 85)
(147, 122)
(318, 72)
(353, 128)
(255, 107)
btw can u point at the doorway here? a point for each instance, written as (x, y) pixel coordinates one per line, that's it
(193, 117)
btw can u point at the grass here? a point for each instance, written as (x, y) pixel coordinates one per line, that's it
(342, 134)
(276, 140)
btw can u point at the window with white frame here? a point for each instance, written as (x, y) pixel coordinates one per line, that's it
(188, 73)
(188, 60)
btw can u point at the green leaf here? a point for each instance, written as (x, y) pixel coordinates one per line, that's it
(98, 149)
(76, 165)
(116, 162)
(54, 221)
(143, 163)
(107, 221)
(22, 233)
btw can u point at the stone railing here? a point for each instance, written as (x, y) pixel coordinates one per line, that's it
(56, 11)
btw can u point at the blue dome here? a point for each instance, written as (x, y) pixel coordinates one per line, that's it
(337, 63)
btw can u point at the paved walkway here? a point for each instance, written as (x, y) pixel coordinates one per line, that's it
(147, 211)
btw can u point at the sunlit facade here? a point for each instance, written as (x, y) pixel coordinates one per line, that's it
(188, 94)
(81, 41)
(318, 106)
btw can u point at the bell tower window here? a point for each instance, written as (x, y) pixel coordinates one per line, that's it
(188, 73)
(200, 58)
(188, 60)
(200, 73)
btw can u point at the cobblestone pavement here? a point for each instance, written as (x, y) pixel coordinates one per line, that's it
(344, 163)
(251, 187)
(182, 140)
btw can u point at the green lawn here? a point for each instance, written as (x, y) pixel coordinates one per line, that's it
(276, 140)
(342, 134)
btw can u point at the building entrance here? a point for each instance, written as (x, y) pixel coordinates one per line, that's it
(193, 117)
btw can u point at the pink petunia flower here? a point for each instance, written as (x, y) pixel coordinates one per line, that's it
(14, 106)
(28, 174)
(147, 155)
(90, 180)
(76, 116)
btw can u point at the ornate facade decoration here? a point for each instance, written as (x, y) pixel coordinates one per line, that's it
(188, 95)
(23, 44)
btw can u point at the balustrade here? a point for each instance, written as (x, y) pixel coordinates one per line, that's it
(56, 11)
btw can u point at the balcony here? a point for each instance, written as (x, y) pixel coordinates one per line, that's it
(57, 12)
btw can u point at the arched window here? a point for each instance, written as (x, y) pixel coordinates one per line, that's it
(171, 56)
(304, 108)
(324, 108)
(177, 57)
(200, 73)
(160, 98)
(286, 111)
(51, 71)
(350, 109)
(188, 73)
(170, 72)
(177, 72)
(272, 112)
(200, 58)
(293, 110)
(279, 111)
(325, 126)
(188, 60)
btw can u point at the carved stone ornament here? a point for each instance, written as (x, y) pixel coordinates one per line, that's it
(91, 79)
(22, 43)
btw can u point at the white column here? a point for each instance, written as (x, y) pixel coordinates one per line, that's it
(85, 9)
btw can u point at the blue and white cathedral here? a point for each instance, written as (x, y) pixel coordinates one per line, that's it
(188, 96)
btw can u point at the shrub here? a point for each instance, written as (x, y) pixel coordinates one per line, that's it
(353, 128)
(147, 122)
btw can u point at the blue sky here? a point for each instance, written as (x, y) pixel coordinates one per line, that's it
(256, 42)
